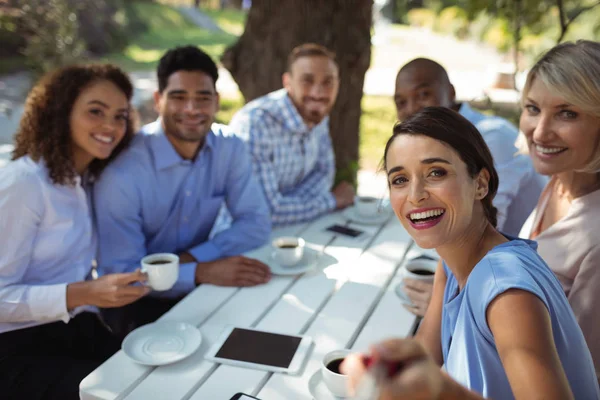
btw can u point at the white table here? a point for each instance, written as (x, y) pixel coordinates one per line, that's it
(347, 301)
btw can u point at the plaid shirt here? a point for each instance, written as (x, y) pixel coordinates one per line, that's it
(294, 164)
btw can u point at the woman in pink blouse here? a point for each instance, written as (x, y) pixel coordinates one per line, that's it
(561, 123)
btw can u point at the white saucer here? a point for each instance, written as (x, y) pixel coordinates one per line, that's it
(352, 214)
(318, 390)
(162, 342)
(403, 297)
(309, 261)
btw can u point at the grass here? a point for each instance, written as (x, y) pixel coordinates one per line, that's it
(167, 28)
(376, 123)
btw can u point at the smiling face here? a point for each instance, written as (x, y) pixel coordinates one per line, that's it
(417, 88)
(561, 137)
(187, 106)
(312, 85)
(98, 122)
(431, 191)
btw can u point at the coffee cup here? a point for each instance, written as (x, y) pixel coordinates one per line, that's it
(366, 206)
(162, 270)
(421, 269)
(288, 250)
(336, 382)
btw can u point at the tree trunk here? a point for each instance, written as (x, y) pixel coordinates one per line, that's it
(197, 3)
(275, 27)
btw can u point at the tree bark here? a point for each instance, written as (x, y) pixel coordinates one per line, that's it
(274, 27)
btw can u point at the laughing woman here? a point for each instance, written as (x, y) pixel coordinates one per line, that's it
(498, 319)
(75, 121)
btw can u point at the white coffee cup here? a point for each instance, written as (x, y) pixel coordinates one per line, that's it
(288, 250)
(421, 269)
(366, 206)
(162, 270)
(336, 383)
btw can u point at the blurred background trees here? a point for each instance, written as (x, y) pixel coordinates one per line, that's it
(39, 35)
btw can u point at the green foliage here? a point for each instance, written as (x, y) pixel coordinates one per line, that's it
(453, 20)
(376, 123)
(348, 174)
(496, 22)
(165, 28)
(229, 106)
(421, 17)
(51, 28)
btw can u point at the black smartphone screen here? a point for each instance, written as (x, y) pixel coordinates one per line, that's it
(344, 230)
(259, 347)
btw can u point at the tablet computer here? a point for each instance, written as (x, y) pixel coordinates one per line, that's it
(268, 351)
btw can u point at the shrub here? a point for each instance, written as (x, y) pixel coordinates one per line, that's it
(51, 31)
(453, 20)
(421, 17)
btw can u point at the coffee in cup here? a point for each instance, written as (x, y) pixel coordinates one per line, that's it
(366, 206)
(162, 270)
(421, 269)
(336, 382)
(288, 251)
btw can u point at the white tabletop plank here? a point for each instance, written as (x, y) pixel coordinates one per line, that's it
(389, 319)
(243, 309)
(294, 310)
(177, 380)
(290, 315)
(317, 302)
(332, 330)
(342, 318)
(119, 374)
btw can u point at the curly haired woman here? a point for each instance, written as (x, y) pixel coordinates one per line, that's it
(76, 120)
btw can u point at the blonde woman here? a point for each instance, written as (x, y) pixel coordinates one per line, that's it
(561, 124)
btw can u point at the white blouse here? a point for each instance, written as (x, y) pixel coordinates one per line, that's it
(46, 241)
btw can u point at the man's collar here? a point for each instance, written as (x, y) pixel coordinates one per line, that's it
(293, 118)
(465, 110)
(165, 155)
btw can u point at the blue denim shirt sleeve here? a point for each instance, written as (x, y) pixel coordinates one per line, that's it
(247, 205)
(121, 244)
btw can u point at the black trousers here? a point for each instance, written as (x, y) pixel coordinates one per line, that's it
(48, 362)
(144, 311)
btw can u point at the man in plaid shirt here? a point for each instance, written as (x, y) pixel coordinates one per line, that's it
(288, 136)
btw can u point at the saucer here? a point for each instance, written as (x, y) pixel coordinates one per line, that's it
(309, 261)
(352, 214)
(162, 342)
(318, 390)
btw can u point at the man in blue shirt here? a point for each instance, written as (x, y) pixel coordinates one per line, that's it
(164, 193)
(288, 135)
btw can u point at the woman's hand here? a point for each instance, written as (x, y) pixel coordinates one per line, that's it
(108, 291)
(419, 293)
(418, 377)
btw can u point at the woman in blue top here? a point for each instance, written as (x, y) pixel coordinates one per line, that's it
(498, 320)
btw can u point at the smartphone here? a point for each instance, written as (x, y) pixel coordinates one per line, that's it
(243, 396)
(344, 230)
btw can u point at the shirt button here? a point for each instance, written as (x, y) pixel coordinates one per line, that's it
(185, 219)
(188, 193)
